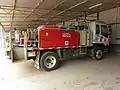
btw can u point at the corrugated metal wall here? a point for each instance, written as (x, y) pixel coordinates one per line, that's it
(113, 16)
(110, 17)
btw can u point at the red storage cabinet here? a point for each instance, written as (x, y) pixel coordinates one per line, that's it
(55, 37)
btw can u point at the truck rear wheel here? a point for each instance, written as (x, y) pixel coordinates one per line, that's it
(49, 61)
(97, 54)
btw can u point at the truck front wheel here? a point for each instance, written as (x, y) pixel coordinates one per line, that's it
(49, 61)
(97, 54)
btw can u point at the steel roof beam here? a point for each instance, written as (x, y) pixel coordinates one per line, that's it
(29, 21)
(54, 7)
(41, 1)
(4, 6)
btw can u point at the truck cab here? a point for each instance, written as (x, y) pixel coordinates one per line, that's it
(99, 32)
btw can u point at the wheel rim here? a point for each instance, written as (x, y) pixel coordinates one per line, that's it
(50, 62)
(99, 54)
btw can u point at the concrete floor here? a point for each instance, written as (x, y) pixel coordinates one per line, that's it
(75, 74)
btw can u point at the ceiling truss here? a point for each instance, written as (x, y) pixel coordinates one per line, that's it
(21, 14)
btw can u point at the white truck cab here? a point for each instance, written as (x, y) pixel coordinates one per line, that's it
(99, 32)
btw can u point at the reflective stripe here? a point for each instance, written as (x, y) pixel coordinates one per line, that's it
(35, 49)
(41, 48)
(66, 47)
(73, 46)
(58, 47)
(50, 48)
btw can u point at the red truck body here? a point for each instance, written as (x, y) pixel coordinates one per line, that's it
(55, 43)
(53, 36)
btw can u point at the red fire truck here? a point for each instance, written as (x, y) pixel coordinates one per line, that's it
(54, 43)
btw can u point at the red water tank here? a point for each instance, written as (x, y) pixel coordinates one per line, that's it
(53, 36)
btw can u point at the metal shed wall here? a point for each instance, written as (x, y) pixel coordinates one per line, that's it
(113, 17)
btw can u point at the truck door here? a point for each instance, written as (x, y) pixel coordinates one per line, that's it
(104, 34)
(97, 36)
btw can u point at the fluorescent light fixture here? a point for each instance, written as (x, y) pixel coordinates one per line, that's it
(85, 1)
(78, 4)
(94, 6)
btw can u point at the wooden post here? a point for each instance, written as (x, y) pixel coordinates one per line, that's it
(98, 15)
(63, 23)
(25, 46)
(85, 16)
(77, 23)
(10, 40)
(11, 46)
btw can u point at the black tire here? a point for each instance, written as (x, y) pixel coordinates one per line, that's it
(96, 54)
(47, 59)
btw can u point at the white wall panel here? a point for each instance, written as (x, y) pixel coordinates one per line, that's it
(112, 16)
(1, 37)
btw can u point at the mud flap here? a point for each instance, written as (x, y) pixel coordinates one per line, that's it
(36, 62)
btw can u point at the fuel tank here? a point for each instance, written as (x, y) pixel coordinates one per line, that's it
(53, 36)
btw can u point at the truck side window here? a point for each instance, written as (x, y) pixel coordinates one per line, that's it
(104, 30)
(97, 29)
